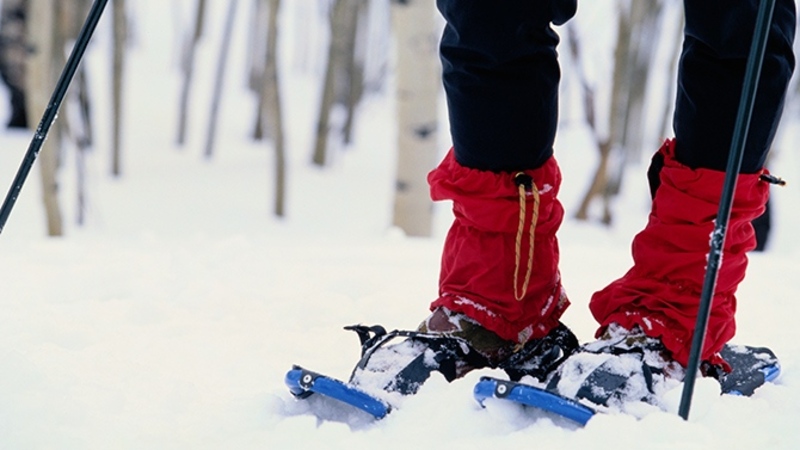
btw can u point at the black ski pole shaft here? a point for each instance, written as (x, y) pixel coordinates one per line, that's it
(740, 131)
(51, 112)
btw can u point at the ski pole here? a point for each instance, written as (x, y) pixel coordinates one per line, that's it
(741, 128)
(51, 112)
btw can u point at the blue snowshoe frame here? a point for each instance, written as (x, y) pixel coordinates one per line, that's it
(302, 383)
(524, 394)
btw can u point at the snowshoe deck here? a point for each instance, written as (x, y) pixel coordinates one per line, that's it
(303, 383)
(752, 367)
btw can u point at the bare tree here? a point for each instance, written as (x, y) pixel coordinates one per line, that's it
(638, 30)
(40, 77)
(354, 70)
(76, 125)
(189, 52)
(340, 72)
(79, 125)
(50, 28)
(118, 64)
(270, 110)
(634, 64)
(259, 35)
(77, 122)
(417, 94)
(219, 79)
(603, 143)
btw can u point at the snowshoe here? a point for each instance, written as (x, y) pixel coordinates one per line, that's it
(751, 367)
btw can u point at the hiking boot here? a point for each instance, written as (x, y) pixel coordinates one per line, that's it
(452, 344)
(622, 366)
(491, 347)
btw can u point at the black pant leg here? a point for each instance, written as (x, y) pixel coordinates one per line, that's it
(717, 42)
(501, 78)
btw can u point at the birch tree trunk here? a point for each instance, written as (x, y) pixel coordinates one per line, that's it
(418, 80)
(40, 78)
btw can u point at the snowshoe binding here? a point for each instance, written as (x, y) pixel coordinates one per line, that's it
(396, 364)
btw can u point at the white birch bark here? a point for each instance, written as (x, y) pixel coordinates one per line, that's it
(418, 81)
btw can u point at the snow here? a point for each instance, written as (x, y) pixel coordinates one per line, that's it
(169, 320)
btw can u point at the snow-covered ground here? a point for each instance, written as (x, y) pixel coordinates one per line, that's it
(170, 319)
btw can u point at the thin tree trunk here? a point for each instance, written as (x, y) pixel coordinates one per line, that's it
(76, 123)
(118, 65)
(272, 108)
(618, 111)
(417, 94)
(83, 137)
(188, 70)
(643, 27)
(259, 38)
(600, 178)
(40, 80)
(637, 33)
(219, 80)
(355, 68)
(343, 19)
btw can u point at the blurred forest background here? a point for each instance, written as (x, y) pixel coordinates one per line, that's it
(622, 94)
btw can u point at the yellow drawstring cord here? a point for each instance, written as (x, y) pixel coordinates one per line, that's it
(525, 184)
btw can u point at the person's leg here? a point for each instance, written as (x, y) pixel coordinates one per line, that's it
(501, 76)
(647, 317)
(717, 42)
(499, 283)
(661, 292)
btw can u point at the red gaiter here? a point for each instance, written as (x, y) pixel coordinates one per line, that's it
(661, 293)
(490, 272)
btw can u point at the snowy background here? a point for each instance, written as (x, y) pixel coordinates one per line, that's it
(170, 319)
